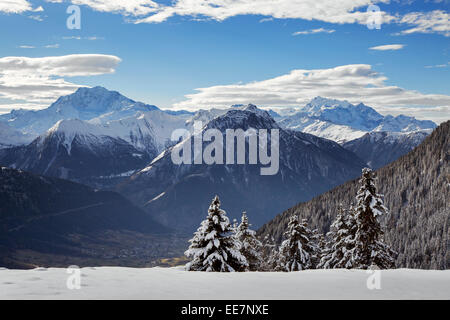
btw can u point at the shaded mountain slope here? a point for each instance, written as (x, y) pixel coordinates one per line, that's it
(179, 195)
(378, 149)
(55, 217)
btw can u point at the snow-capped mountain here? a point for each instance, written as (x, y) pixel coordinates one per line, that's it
(378, 149)
(179, 195)
(325, 129)
(84, 104)
(78, 151)
(148, 131)
(402, 123)
(91, 119)
(11, 137)
(342, 121)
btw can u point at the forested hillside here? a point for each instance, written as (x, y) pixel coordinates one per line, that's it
(417, 194)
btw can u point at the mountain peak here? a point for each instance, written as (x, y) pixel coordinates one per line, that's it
(93, 90)
(321, 102)
(251, 107)
(245, 117)
(93, 98)
(89, 103)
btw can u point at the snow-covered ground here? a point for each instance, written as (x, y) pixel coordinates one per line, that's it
(174, 283)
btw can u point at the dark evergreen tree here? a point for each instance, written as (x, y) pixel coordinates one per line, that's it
(337, 253)
(318, 242)
(214, 247)
(251, 247)
(369, 248)
(298, 251)
(270, 254)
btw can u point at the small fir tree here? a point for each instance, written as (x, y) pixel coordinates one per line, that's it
(251, 247)
(270, 255)
(337, 253)
(318, 243)
(298, 250)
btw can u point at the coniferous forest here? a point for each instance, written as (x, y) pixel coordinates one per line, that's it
(416, 194)
(355, 241)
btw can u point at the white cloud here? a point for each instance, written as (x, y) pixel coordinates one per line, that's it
(313, 31)
(126, 7)
(436, 21)
(444, 65)
(15, 6)
(355, 83)
(90, 38)
(37, 18)
(5, 108)
(26, 47)
(52, 46)
(388, 47)
(266, 20)
(41, 80)
(344, 11)
(330, 11)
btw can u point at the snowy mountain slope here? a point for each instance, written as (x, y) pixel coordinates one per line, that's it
(174, 283)
(324, 129)
(84, 104)
(378, 149)
(78, 151)
(12, 137)
(147, 131)
(403, 123)
(103, 126)
(178, 195)
(146, 127)
(342, 121)
(358, 116)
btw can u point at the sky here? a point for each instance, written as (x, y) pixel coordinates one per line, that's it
(191, 54)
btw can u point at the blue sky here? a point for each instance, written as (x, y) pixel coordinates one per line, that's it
(236, 54)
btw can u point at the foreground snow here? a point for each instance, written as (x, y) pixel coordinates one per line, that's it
(174, 283)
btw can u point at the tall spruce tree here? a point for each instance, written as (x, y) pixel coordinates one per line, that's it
(298, 251)
(213, 247)
(251, 247)
(369, 248)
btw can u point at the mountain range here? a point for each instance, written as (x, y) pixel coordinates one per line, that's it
(342, 121)
(178, 195)
(105, 140)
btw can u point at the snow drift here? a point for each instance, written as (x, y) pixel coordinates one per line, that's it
(175, 283)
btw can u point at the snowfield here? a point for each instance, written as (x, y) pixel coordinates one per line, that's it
(175, 283)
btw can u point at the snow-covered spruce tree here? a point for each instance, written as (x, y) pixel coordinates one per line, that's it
(213, 247)
(337, 252)
(298, 251)
(369, 248)
(251, 247)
